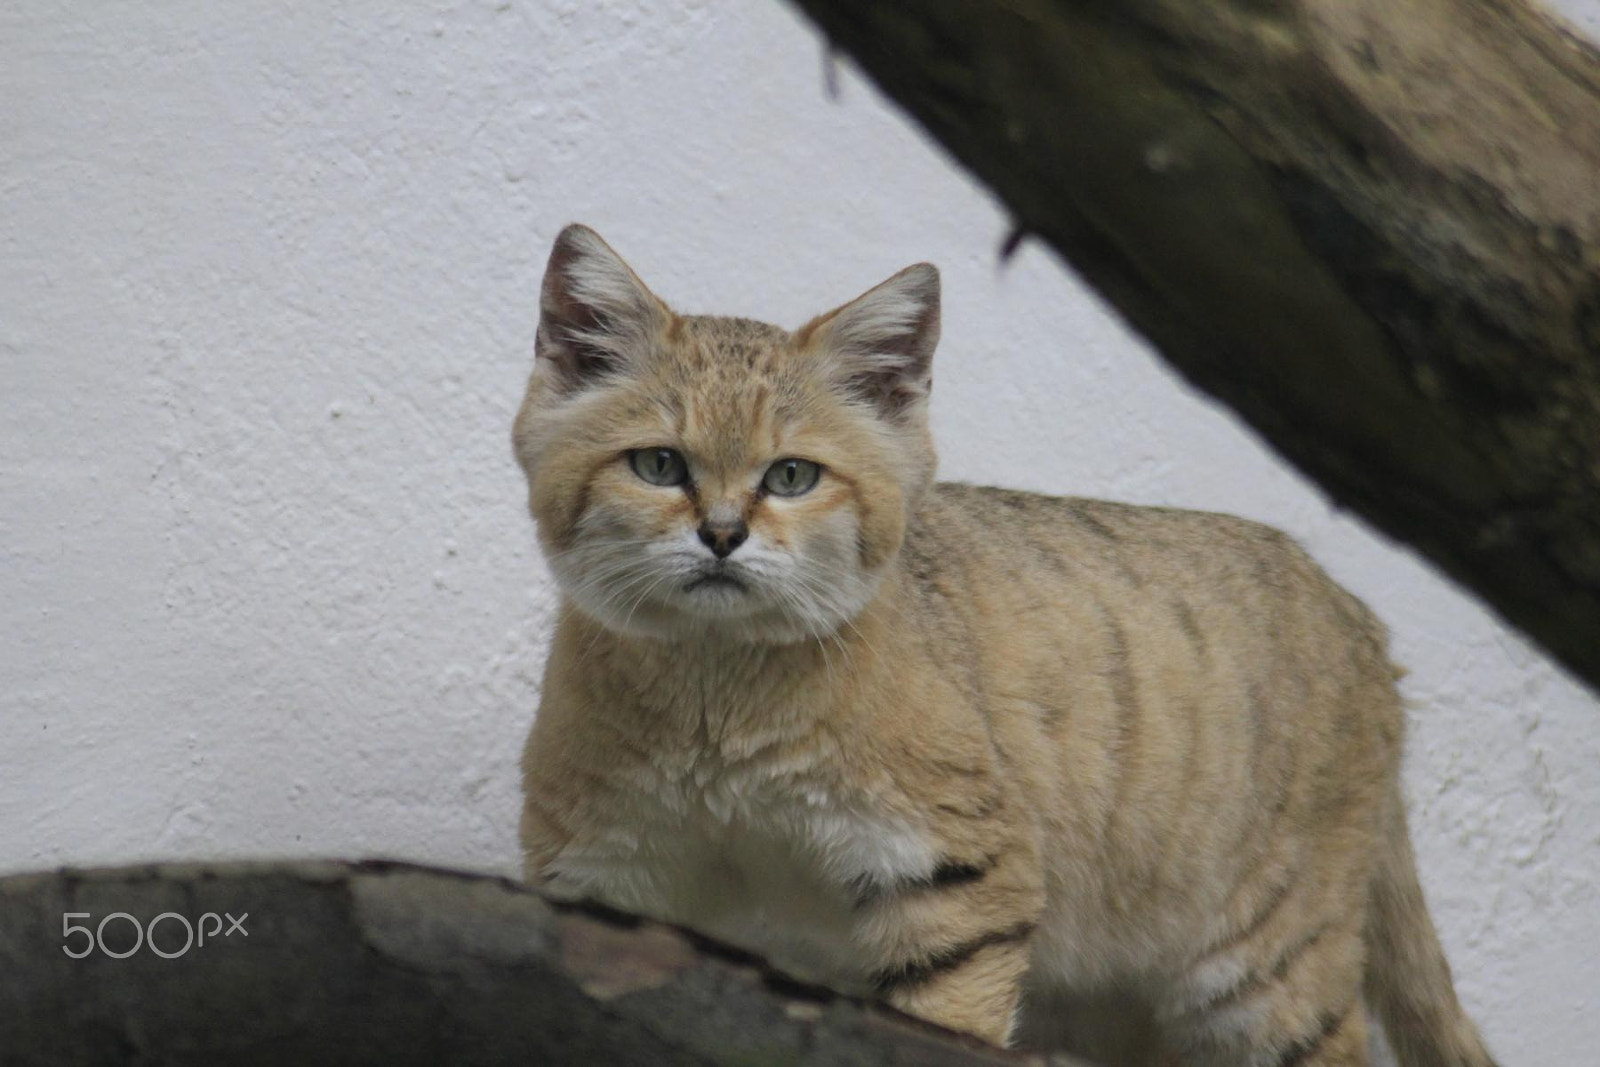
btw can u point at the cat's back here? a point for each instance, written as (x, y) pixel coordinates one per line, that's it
(1183, 695)
(1191, 596)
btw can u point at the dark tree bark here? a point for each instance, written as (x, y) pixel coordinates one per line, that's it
(393, 964)
(1371, 227)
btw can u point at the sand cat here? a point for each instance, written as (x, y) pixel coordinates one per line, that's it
(950, 743)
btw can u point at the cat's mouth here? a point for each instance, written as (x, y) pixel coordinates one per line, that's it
(717, 579)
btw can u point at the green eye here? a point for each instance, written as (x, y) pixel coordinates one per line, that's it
(791, 477)
(659, 466)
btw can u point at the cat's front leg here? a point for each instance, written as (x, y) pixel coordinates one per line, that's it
(953, 947)
(606, 864)
(541, 839)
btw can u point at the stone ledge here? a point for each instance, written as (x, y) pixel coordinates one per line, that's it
(400, 964)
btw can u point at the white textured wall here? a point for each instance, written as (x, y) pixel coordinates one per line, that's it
(267, 299)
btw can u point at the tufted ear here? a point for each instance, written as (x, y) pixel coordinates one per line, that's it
(880, 345)
(595, 315)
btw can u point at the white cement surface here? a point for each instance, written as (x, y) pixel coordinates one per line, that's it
(267, 299)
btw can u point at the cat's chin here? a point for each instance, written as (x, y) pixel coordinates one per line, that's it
(712, 614)
(728, 606)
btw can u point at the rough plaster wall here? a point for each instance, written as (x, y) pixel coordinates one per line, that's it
(267, 295)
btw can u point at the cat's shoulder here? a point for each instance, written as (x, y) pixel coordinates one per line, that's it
(1002, 525)
(999, 508)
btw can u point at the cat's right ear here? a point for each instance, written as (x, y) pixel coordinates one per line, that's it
(880, 345)
(595, 315)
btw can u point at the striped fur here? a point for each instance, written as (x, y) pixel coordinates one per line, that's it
(944, 742)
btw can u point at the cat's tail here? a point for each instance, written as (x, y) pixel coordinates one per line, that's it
(1408, 979)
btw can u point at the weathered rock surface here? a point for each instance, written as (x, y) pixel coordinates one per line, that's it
(396, 964)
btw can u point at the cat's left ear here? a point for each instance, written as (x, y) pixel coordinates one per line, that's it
(880, 345)
(596, 318)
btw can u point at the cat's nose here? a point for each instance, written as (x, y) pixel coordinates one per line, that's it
(723, 537)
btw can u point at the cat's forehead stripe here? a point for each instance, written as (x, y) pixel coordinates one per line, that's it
(729, 386)
(726, 429)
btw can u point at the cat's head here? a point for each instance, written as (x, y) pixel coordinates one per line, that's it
(702, 475)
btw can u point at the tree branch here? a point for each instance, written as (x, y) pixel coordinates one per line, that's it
(1371, 228)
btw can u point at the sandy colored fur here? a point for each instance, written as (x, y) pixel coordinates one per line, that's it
(1055, 746)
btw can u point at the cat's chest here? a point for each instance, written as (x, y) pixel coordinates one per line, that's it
(768, 852)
